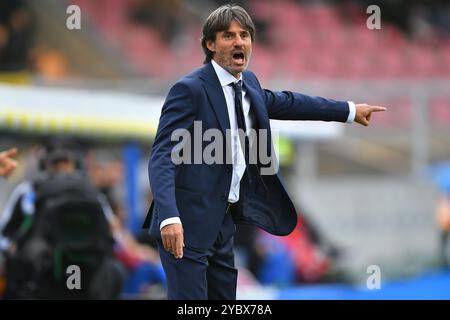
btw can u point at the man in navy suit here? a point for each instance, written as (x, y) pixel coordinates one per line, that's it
(197, 204)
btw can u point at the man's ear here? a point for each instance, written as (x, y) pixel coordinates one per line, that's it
(211, 45)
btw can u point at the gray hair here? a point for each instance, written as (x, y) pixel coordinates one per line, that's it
(220, 20)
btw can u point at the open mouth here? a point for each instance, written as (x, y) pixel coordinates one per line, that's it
(238, 57)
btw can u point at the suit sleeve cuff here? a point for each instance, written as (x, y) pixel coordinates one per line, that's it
(352, 112)
(169, 221)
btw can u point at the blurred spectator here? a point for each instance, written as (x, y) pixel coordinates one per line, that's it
(165, 16)
(145, 276)
(48, 63)
(440, 174)
(106, 173)
(304, 256)
(16, 35)
(443, 220)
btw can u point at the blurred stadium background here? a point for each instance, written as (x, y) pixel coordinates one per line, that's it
(370, 192)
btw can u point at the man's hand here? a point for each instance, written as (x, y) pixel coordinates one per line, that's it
(172, 238)
(364, 112)
(7, 163)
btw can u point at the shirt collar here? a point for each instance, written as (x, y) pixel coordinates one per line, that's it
(225, 78)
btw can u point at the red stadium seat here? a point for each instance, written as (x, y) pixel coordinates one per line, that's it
(305, 40)
(440, 111)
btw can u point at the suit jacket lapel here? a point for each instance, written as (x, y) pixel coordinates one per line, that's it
(257, 104)
(262, 118)
(216, 96)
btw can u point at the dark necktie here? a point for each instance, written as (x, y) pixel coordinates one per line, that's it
(239, 110)
(253, 174)
(252, 169)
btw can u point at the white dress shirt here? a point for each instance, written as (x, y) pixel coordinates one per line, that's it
(225, 78)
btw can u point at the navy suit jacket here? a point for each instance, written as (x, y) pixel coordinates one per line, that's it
(198, 193)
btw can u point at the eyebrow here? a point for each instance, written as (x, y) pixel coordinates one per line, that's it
(232, 32)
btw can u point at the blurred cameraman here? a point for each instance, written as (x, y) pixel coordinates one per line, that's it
(52, 219)
(54, 157)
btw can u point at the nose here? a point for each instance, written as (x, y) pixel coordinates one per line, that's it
(239, 42)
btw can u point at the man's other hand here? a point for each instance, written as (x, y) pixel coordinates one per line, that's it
(364, 112)
(7, 163)
(172, 238)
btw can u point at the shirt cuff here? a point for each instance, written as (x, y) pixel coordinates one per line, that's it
(352, 112)
(169, 221)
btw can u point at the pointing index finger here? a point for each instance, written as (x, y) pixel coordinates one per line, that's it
(9, 153)
(378, 108)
